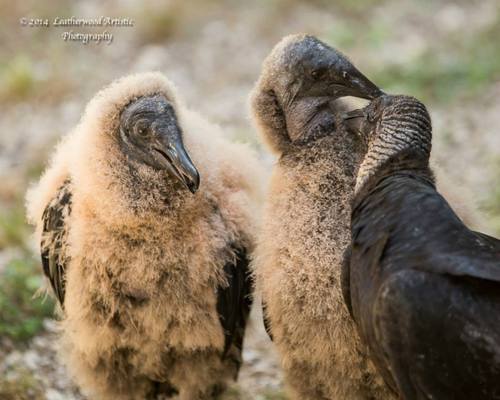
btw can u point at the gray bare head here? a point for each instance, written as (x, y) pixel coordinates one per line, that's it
(300, 79)
(394, 127)
(304, 66)
(150, 134)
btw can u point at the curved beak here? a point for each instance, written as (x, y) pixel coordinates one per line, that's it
(353, 120)
(354, 83)
(178, 163)
(362, 87)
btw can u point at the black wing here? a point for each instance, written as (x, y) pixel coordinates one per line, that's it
(234, 300)
(53, 241)
(440, 335)
(425, 292)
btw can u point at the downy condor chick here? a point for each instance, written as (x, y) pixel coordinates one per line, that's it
(151, 270)
(424, 289)
(306, 220)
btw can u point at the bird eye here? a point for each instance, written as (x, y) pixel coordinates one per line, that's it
(141, 130)
(318, 73)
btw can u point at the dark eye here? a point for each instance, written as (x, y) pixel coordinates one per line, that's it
(141, 129)
(318, 73)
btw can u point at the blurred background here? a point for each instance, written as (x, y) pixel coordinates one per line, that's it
(444, 52)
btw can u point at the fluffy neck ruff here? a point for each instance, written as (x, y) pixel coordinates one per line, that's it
(143, 189)
(401, 140)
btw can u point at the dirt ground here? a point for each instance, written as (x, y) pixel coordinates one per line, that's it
(442, 51)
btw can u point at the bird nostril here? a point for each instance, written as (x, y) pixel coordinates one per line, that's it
(164, 154)
(173, 150)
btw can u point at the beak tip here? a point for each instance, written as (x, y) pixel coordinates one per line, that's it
(194, 183)
(184, 169)
(193, 188)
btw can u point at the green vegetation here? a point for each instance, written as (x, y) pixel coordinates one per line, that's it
(431, 77)
(157, 25)
(447, 71)
(341, 35)
(273, 395)
(21, 315)
(17, 79)
(13, 229)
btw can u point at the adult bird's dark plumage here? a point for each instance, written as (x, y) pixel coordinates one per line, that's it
(149, 265)
(423, 288)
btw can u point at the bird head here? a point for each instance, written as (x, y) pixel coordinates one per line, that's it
(300, 79)
(364, 121)
(307, 67)
(395, 128)
(150, 134)
(394, 117)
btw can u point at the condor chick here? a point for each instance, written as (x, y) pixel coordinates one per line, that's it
(149, 265)
(424, 289)
(306, 222)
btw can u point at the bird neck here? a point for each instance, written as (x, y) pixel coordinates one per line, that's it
(270, 119)
(135, 192)
(285, 122)
(153, 192)
(309, 119)
(399, 142)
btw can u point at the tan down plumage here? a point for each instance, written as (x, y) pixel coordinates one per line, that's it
(146, 258)
(306, 223)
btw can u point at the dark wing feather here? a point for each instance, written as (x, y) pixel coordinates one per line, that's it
(345, 279)
(494, 243)
(234, 300)
(53, 241)
(425, 294)
(440, 335)
(265, 319)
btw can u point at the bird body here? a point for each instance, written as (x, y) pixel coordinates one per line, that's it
(422, 287)
(305, 226)
(298, 260)
(154, 279)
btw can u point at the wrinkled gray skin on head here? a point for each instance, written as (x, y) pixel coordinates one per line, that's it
(150, 134)
(397, 131)
(306, 76)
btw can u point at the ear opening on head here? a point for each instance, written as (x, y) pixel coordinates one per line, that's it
(270, 119)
